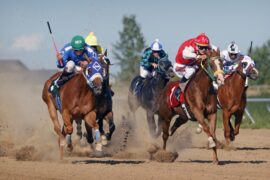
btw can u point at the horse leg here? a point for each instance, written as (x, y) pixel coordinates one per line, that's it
(57, 127)
(160, 124)
(231, 131)
(68, 128)
(226, 119)
(89, 134)
(165, 135)
(90, 119)
(177, 123)
(151, 123)
(79, 128)
(238, 121)
(109, 119)
(209, 131)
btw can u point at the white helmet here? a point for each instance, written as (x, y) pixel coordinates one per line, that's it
(156, 45)
(233, 48)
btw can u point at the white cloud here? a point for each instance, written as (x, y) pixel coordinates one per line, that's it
(28, 42)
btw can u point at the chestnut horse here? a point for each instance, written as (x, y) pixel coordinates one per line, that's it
(79, 101)
(150, 93)
(201, 99)
(232, 96)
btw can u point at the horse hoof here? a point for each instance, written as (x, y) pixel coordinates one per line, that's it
(216, 162)
(99, 147)
(104, 140)
(199, 129)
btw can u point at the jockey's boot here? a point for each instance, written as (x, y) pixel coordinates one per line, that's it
(138, 85)
(181, 88)
(58, 83)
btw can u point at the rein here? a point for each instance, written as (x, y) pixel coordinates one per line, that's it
(209, 70)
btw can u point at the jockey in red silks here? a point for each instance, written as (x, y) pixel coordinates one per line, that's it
(186, 61)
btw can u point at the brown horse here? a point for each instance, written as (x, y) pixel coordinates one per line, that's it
(201, 99)
(78, 98)
(105, 105)
(232, 97)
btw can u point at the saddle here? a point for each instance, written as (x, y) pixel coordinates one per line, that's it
(176, 97)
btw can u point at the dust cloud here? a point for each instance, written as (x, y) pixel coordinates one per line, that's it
(26, 130)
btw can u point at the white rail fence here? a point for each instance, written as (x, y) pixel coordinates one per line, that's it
(256, 100)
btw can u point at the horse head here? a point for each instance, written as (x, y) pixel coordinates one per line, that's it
(214, 66)
(165, 67)
(93, 74)
(249, 69)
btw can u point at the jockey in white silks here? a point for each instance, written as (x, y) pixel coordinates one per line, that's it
(231, 58)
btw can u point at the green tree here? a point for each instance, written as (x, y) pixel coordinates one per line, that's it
(261, 55)
(127, 51)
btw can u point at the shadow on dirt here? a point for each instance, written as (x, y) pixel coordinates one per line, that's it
(224, 162)
(110, 162)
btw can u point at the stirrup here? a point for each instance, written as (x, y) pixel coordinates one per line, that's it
(54, 90)
(178, 93)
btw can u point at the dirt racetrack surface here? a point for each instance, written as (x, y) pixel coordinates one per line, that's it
(28, 145)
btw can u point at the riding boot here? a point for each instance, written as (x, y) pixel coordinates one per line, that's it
(58, 83)
(183, 83)
(138, 85)
(181, 88)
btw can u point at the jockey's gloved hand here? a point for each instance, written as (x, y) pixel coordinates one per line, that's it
(201, 57)
(59, 57)
(154, 65)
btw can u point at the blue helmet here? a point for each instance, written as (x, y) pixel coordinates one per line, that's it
(156, 45)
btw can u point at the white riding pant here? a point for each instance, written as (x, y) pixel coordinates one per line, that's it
(182, 70)
(71, 67)
(144, 72)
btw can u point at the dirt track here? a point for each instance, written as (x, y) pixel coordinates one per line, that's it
(251, 160)
(24, 122)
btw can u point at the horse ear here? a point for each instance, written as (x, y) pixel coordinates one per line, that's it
(106, 53)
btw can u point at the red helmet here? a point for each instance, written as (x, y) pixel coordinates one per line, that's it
(202, 40)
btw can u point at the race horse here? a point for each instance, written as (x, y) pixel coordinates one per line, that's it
(79, 100)
(104, 107)
(232, 96)
(149, 93)
(200, 98)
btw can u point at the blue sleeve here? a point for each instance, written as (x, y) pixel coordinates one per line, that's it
(91, 53)
(65, 51)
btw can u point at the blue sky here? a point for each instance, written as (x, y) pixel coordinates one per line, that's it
(24, 33)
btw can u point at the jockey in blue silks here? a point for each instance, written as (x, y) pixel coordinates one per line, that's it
(73, 58)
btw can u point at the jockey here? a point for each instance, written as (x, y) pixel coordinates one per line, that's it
(150, 58)
(149, 61)
(73, 57)
(186, 61)
(231, 57)
(92, 41)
